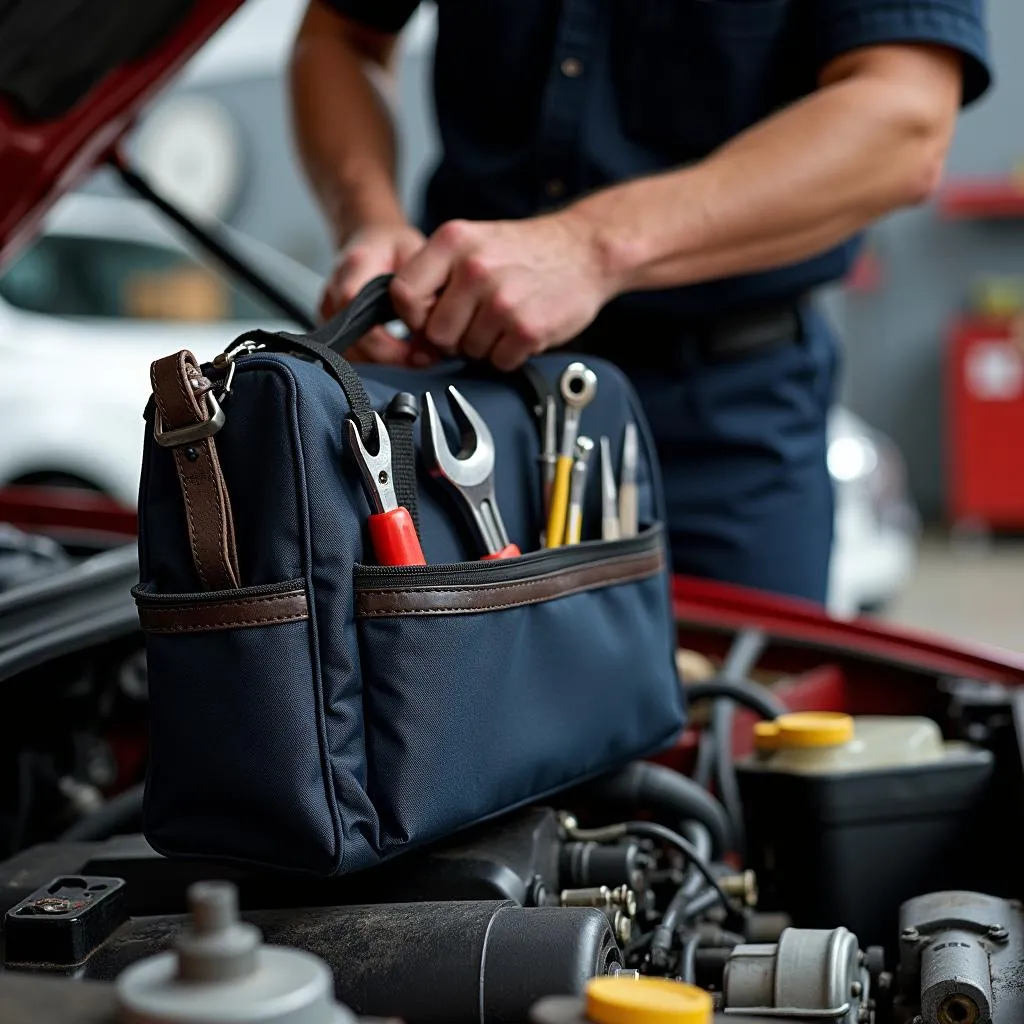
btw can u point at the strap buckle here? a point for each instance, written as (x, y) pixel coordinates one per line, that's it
(194, 432)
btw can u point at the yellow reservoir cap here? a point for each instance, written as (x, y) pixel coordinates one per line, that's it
(647, 1001)
(802, 729)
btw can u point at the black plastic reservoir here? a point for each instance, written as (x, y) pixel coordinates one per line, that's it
(847, 817)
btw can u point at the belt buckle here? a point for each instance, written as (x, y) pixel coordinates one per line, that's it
(195, 432)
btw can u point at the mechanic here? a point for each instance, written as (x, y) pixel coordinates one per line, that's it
(660, 182)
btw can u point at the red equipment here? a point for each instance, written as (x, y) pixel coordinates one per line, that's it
(986, 425)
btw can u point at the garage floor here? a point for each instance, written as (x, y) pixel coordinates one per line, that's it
(970, 590)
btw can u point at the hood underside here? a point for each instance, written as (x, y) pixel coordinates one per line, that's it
(73, 76)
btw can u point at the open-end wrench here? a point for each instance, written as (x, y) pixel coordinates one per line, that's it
(392, 531)
(470, 473)
(578, 385)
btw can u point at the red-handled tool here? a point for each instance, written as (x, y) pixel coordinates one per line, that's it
(392, 531)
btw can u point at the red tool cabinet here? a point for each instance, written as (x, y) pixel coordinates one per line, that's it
(986, 425)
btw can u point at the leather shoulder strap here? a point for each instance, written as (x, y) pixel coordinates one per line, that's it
(184, 402)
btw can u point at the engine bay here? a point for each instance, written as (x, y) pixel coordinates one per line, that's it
(870, 879)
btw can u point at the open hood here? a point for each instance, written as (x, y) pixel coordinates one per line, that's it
(73, 76)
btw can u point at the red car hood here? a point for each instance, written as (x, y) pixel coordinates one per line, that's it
(73, 76)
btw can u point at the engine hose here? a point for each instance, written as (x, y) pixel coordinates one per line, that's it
(121, 813)
(746, 648)
(705, 901)
(688, 959)
(664, 934)
(665, 794)
(757, 698)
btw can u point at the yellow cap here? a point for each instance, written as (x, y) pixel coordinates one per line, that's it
(802, 729)
(646, 1001)
(766, 736)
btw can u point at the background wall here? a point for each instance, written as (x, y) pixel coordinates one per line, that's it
(895, 336)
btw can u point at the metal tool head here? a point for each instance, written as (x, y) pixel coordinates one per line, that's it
(474, 463)
(630, 451)
(609, 488)
(375, 469)
(584, 449)
(578, 385)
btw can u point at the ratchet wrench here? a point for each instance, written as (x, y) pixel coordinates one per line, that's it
(578, 386)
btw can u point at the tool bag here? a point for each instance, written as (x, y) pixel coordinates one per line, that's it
(311, 710)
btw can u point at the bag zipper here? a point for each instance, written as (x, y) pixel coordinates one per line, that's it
(215, 596)
(529, 566)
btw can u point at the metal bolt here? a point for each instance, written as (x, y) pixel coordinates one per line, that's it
(624, 972)
(382, 476)
(998, 932)
(53, 905)
(191, 454)
(623, 928)
(743, 886)
(625, 898)
(856, 990)
(599, 896)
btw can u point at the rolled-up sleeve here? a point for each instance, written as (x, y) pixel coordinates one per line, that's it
(382, 15)
(845, 25)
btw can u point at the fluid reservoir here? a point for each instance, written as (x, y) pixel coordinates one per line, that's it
(848, 816)
(627, 999)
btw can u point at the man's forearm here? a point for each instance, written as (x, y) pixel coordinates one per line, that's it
(794, 186)
(343, 128)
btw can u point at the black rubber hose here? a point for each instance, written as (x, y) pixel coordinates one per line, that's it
(705, 901)
(663, 935)
(751, 695)
(688, 959)
(663, 793)
(746, 648)
(122, 813)
(704, 768)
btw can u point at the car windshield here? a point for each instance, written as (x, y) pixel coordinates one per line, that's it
(81, 276)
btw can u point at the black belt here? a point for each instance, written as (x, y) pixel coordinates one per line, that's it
(647, 343)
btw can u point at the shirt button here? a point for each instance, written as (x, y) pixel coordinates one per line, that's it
(572, 67)
(555, 188)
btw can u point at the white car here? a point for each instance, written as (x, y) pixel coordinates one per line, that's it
(107, 288)
(876, 524)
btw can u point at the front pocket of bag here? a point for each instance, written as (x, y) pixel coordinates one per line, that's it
(236, 767)
(487, 685)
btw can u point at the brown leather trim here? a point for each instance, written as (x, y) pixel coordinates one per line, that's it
(232, 612)
(477, 597)
(179, 389)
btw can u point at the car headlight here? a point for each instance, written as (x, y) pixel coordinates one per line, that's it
(852, 458)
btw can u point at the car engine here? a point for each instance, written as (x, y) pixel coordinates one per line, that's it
(857, 869)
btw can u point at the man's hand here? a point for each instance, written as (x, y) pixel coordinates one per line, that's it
(503, 290)
(369, 253)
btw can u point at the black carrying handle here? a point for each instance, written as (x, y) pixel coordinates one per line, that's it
(371, 307)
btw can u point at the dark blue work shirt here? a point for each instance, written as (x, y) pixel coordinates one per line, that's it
(540, 101)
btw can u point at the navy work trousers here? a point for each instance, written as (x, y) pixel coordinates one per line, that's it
(743, 444)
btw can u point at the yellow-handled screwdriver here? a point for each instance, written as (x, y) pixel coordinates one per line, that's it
(578, 386)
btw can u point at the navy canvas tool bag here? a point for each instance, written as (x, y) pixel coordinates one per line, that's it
(312, 709)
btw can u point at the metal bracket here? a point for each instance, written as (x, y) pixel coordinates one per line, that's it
(195, 432)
